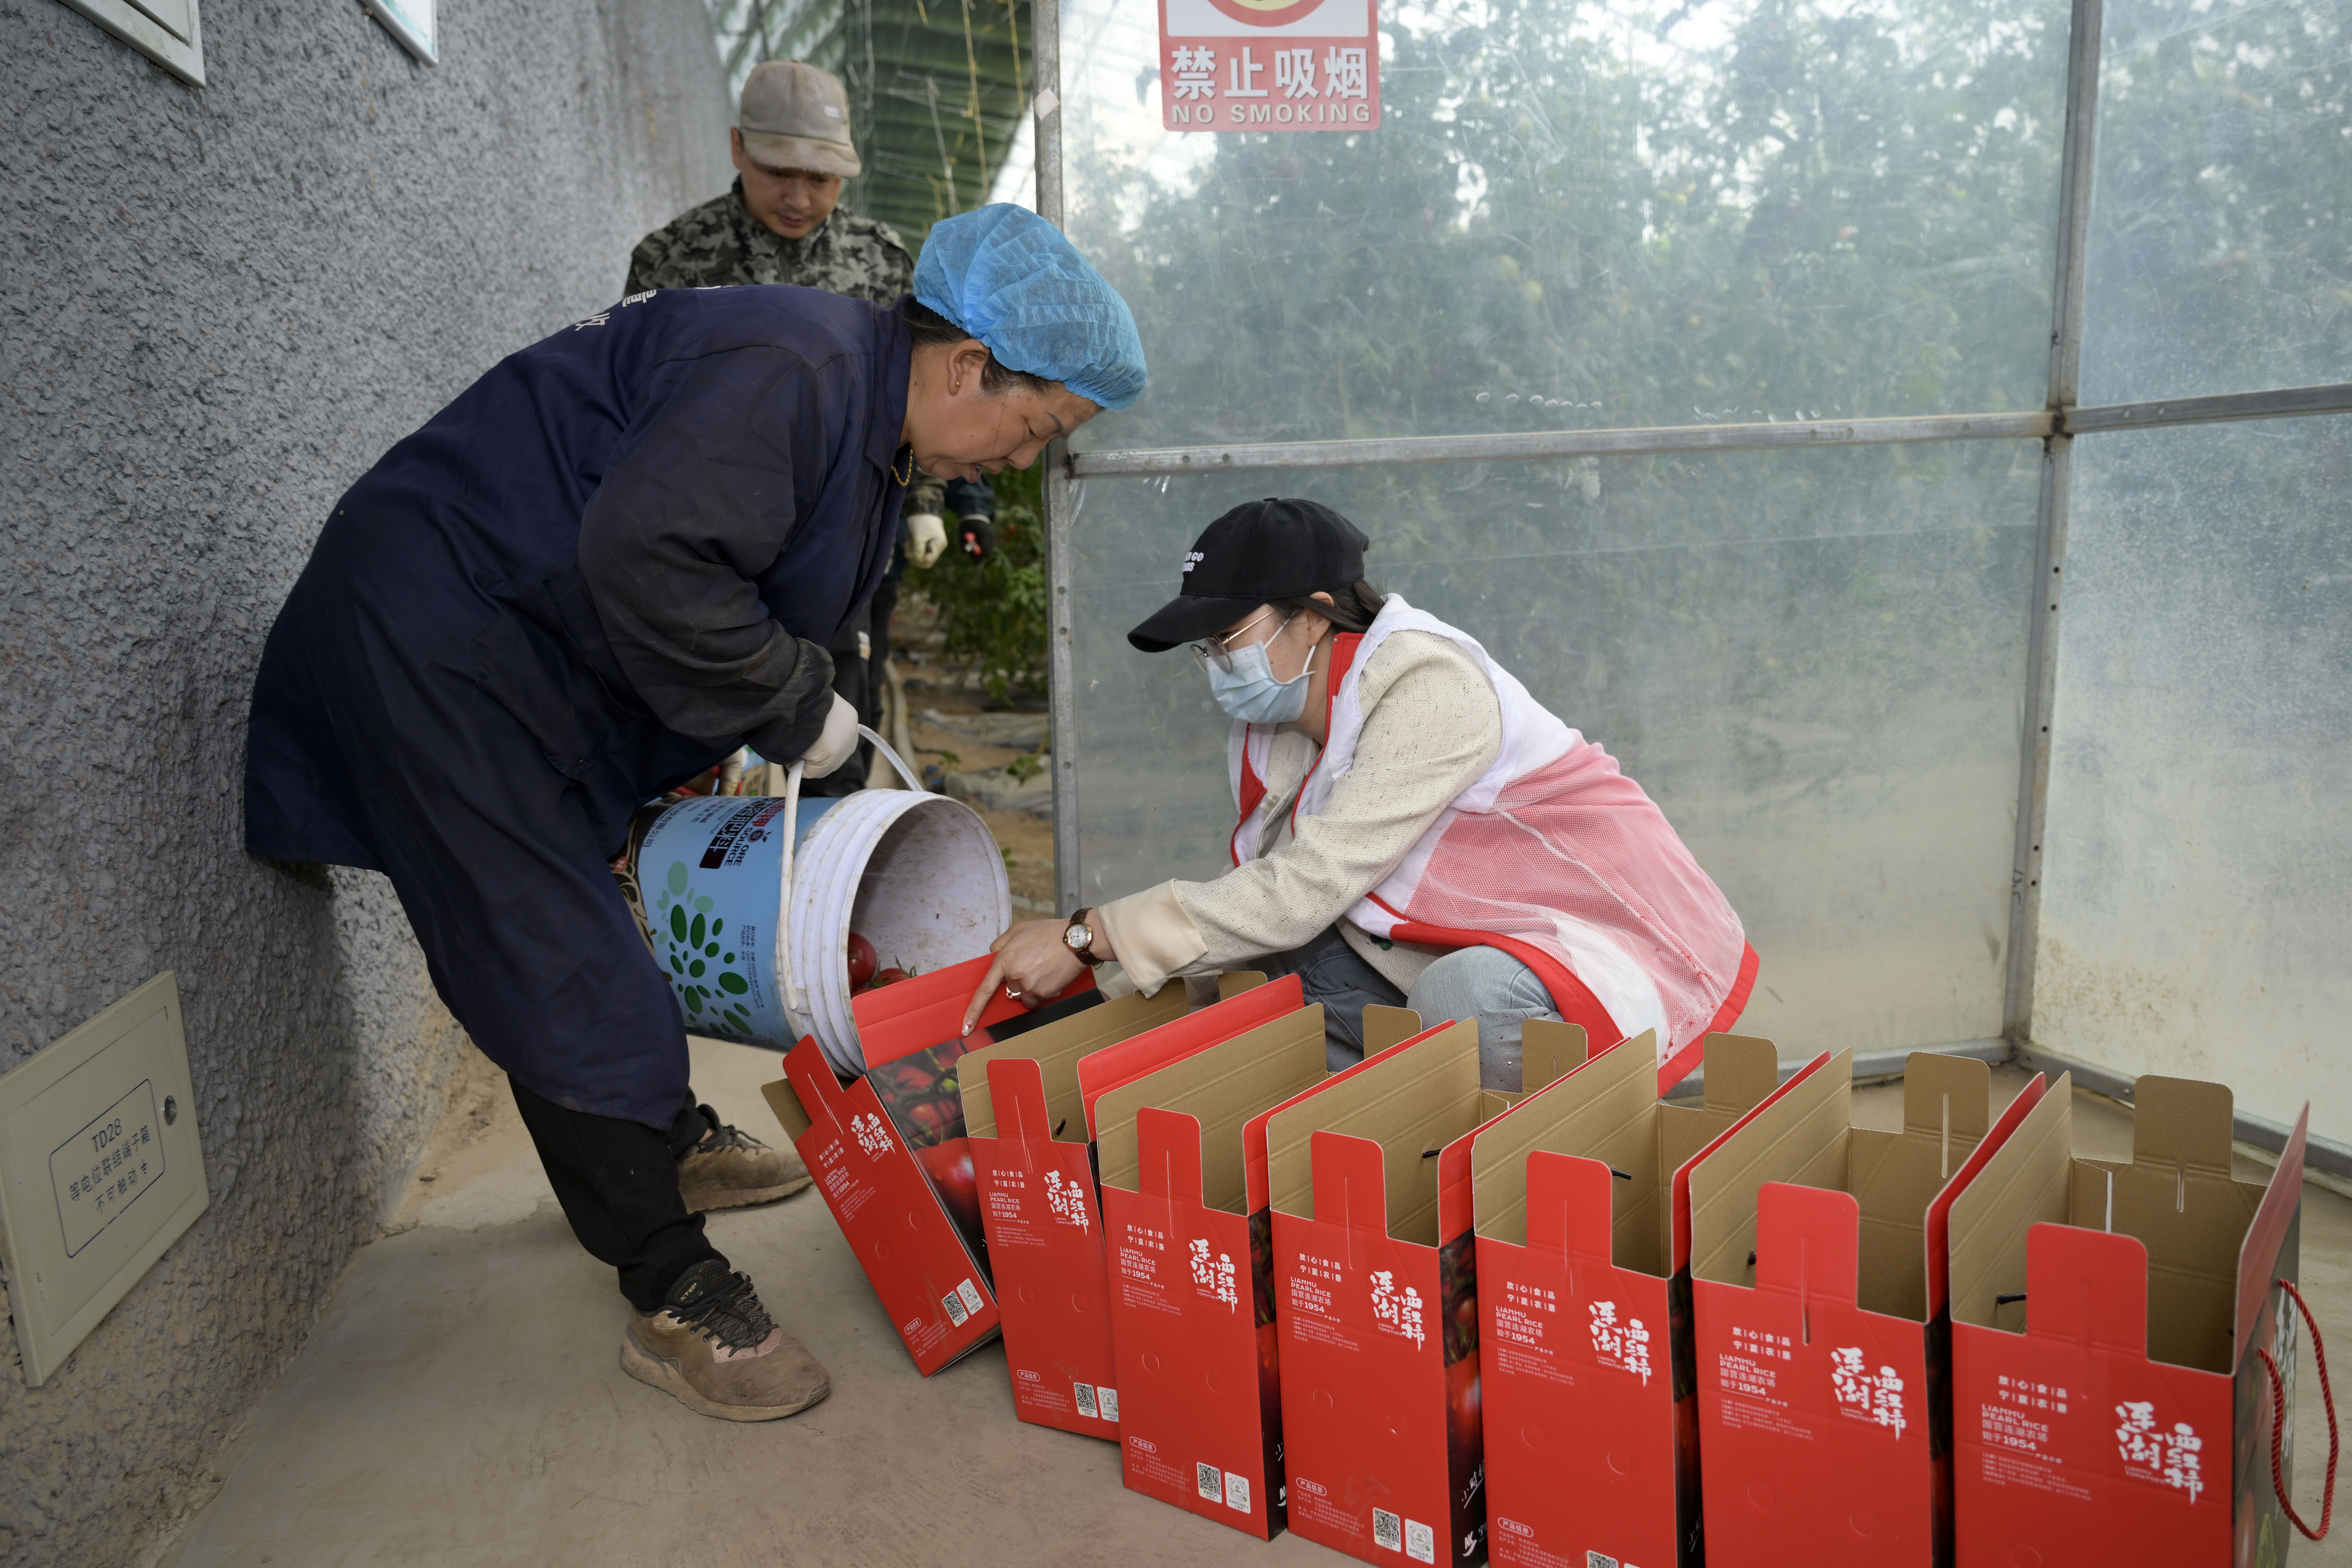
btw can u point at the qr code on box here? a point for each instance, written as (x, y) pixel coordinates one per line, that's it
(954, 1304)
(1211, 1481)
(1420, 1541)
(1599, 1560)
(1086, 1408)
(1387, 1529)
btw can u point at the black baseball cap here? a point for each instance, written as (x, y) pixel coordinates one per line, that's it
(1260, 550)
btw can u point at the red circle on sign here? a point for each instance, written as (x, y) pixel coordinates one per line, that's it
(1267, 16)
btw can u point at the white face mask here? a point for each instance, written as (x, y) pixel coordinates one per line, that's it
(1245, 687)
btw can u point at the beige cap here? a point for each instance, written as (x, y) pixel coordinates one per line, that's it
(795, 116)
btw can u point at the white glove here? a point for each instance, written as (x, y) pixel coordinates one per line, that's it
(835, 744)
(926, 538)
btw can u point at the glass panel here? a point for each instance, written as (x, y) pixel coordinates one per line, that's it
(1648, 212)
(2221, 256)
(2199, 861)
(1813, 661)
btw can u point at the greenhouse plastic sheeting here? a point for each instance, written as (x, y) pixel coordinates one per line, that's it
(1814, 662)
(2200, 856)
(2221, 253)
(1579, 216)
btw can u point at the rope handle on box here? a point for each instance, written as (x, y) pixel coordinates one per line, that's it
(793, 996)
(2278, 1422)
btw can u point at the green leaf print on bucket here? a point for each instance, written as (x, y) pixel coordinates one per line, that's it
(692, 959)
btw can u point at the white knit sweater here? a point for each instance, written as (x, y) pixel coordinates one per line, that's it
(1431, 726)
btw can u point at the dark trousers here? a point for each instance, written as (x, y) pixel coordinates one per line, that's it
(858, 678)
(1330, 972)
(617, 1182)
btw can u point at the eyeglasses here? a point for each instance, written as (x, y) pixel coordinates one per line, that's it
(1219, 650)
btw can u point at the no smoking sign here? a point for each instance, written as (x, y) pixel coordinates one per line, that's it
(1269, 65)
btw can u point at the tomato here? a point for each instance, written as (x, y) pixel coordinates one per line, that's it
(891, 976)
(863, 961)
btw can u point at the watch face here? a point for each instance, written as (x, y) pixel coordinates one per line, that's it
(1077, 936)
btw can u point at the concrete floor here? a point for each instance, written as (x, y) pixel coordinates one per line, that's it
(461, 1402)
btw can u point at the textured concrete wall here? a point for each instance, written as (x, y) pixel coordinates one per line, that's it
(217, 307)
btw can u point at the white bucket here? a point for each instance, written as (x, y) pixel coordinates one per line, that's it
(917, 874)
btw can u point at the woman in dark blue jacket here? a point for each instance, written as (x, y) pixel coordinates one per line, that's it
(615, 559)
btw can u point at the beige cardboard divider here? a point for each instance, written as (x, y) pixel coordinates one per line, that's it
(1190, 1296)
(2109, 1321)
(1023, 1112)
(1369, 1181)
(1580, 1305)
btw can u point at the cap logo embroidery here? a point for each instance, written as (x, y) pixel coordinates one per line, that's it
(1193, 559)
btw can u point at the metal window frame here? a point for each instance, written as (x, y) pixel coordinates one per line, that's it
(2055, 425)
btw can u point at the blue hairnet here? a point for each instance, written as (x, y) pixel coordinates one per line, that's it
(1016, 283)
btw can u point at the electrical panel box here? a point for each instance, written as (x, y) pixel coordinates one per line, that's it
(100, 1169)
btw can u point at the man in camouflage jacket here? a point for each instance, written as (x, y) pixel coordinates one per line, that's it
(781, 223)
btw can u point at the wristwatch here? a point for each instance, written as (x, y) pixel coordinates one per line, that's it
(1080, 938)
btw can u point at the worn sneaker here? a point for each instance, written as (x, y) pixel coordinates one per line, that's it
(731, 1168)
(715, 1347)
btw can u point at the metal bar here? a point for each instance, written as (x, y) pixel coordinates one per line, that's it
(1537, 445)
(2074, 184)
(2280, 403)
(1061, 671)
(2033, 753)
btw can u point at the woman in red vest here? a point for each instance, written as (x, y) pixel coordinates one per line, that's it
(1414, 829)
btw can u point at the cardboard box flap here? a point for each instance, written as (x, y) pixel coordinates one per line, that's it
(1253, 1131)
(1221, 1088)
(1940, 1211)
(1800, 1135)
(1604, 1110)
(1410, 1102)
(1386, 1027)
(2193, 1223)
(1814, 1253)
(1741, 1071)
(2023, 1183)
(2258, 1259)
(1134, 1058)
(1056, 1048)
(2182, 1121)
(1232, 983)
(1549, 1050)
(1895, 1176)
(787, 1107)
(2090, 1288)
(1167, 1156)
(916, 1014)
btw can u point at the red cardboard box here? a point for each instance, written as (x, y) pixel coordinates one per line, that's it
(1375, 1293)
(1191, 1305)
(2110, 1400)
(1024, 1116)
(888, 1152)
(1585, 1302)
(1819, 1318)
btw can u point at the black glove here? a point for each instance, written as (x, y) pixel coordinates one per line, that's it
(976, 536)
